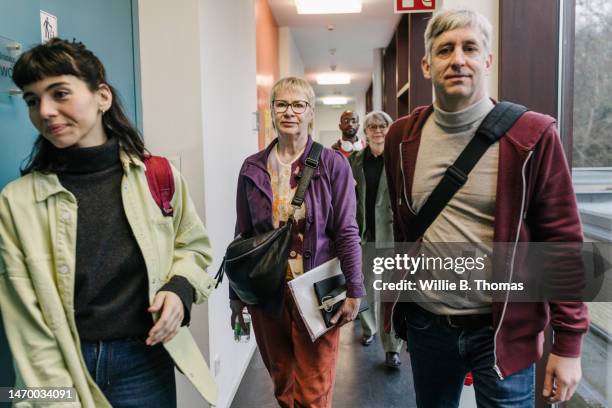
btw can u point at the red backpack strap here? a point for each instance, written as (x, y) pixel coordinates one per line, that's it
(161, 182)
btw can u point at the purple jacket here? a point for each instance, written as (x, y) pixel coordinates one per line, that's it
(331, 227)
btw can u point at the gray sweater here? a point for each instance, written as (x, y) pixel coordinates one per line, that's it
(469, 215)
(111, 287)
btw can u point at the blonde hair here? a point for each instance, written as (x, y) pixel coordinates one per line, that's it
(294, 84)
(452, 19)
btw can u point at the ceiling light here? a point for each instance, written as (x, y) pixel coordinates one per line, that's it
(333, 79)
(328, 6)
(334, 100)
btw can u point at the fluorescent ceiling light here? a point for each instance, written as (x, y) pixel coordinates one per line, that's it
(334, 100)
(333, 79)
(328, 6)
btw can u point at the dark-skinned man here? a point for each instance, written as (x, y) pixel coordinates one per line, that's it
(350, 142)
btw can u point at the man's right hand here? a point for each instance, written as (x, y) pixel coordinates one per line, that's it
(237, 306)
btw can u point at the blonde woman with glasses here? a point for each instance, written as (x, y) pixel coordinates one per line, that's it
(324, 227)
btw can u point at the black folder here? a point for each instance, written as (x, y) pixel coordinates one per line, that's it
(330, 288)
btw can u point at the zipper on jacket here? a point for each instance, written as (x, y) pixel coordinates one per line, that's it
(411, 210)
(404, 181)
(518, 231)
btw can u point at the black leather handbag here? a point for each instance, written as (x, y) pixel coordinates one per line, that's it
(256, 266)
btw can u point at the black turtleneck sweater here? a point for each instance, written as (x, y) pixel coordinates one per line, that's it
(111, 284)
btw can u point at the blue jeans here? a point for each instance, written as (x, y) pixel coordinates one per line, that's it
(130, 373)
(441, 356)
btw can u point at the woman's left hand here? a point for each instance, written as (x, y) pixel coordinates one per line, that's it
(169, 323)
(348, 312)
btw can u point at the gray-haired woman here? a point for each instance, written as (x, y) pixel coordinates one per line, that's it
(374, 218)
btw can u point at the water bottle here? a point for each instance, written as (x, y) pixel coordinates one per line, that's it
(242, 335)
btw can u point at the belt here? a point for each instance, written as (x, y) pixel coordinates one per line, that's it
(470, 321)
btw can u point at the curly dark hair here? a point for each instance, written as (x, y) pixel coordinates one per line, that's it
(61, 57)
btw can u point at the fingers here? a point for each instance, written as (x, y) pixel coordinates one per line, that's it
(570, 391)
(339, 314)
(561, 389)
(158, 301)
(548, 384)
(344, 315)
(164, 334)
(237, 308)
(233, 319)
(168, 324)
(558, 394)
(354, 311)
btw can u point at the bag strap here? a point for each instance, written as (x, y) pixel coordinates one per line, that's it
(161, 182)
(219, 274)
(311, 163)
(497, 122)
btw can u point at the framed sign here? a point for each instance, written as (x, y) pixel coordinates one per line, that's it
(10, 50)
(48, 26)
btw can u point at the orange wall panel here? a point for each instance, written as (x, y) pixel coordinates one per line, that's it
(267, 67)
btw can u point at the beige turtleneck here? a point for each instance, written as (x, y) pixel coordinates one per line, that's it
(469, 215)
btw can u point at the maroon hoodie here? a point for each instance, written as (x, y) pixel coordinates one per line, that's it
(535, 202)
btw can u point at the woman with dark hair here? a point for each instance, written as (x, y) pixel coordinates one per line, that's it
(96, 282)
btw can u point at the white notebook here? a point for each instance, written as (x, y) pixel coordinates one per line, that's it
(302, 290)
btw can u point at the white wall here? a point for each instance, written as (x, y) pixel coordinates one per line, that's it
(377, 82)
(171, 128)
(489, 9)
(229, 103)
(198, 103)
(289, 58)
(360, 109)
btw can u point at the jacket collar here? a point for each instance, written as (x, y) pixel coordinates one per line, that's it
(48, 184)
(524, 135)
(260, 160)
(128, 161)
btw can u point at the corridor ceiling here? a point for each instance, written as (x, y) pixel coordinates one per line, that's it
(354, 38)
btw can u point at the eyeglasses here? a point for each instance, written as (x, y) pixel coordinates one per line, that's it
(346, 121)
(298, 107)
(372, 126)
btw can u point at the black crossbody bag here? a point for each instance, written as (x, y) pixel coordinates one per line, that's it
(503, 116)
(256, 266)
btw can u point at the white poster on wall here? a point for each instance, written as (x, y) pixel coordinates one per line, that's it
(48, 26)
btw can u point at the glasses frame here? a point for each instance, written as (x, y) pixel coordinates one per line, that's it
(381, 127)
(288, 105)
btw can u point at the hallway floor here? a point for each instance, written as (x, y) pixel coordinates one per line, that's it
(362, 380)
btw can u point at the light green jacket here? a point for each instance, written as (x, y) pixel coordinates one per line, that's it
(37, 262)
(382, 208)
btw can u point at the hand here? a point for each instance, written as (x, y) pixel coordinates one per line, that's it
(169, 323)
(562, 377)
(348, 312)
(237, 306)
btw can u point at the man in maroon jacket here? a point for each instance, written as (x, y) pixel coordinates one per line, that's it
(519, 191)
